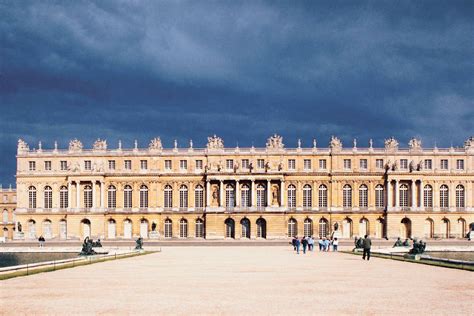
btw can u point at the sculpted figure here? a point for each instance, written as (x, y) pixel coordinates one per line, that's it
(275, 142)
(22, 146)
(215, 142)
(335, 143)
(155, 144)
(75, 145)
(100, 145)
(391, 144)
(414, 144)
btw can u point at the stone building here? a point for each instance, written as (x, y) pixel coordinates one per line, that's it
(7, 207)
(245, 193)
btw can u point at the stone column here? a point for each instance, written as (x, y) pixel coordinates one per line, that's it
(102, 194)
(93, 195)
(452, 196)
(422, 198)
(69, 195)
(413, 201)
(221, 193)
(78, 194)
(252, 193)
(237, 193)
(397, 196)
(389, 195)
(269, 193)
(282, 192)
(208, 193)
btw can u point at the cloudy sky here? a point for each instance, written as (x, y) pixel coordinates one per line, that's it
(240, 69)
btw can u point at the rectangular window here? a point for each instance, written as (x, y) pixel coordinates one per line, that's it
(245, 164)
(198, 164)
(444, 164)
(47, 165)
(32, 165)
(347, 164)
(460, 164)
(229, 164)
(363, 164)
(307, 164)
(5, 198)
(322, 164)
(143, 164)
(404, 164)
(428, 164)
(63, 165)
(128, 165)
(379, 163)
(87, 165)
(183, 164)
(168, 165)
(291, 164)
(260, 163)
(111, 164)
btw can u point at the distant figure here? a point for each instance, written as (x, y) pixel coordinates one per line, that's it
(293, 242)
(304, 242)
(41, 241)
(367, 244)
(310, 243)
(321, 243)
(406, 243)
(327, 244)
(297, 244)
(335, 243)
(398, 243)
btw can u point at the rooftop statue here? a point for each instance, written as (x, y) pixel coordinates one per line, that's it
(391, 144)
(414, 144)
(75, 145)
(215, 142)
(275, 142)
(100, 145)
(335, 143)
(469, 143)
(155, 144)
(22, 146)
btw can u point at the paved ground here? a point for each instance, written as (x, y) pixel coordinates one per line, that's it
(242, 280)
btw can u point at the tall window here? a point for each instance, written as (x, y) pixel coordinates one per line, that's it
(428, 164)
(322, 164)
(292, 227)
(308, 227)
(379, 196)
(168, 196)
(460, 202)
(229, 164)
(347, 164)
(5, 216)
(229, 196)
(428, 196)
(291, 196)
(403, 163)
(168, 165)
(307, 196)
(168, 228)
(245, 163)
(245, 196)
(111, 164)
(143, 164)
(128, 165)
(323, 196)
(307, 164)
(87, 196)
(444, 196)
(183, 164)
(260, 163)
(32, 197)
(363, 164)
(403, 196)
(347, 196)
(47, 165)
(379, 163)
(183, 197)
(460, 164)
(87, 165)
(199, 228)
(63, 165)
(63, 197)
(183, 228)
(199, 197)
(323, 228)
(291, 164)
(444, 164)
(32, 165)
(261, 196)
(111, 197)
(198, 164)
(143, 196)
(48, 197)
(363, 196)
(127, 196)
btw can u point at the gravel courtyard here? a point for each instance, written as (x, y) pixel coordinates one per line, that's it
(242, 280)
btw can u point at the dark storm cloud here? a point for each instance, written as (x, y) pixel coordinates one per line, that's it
(243, 70)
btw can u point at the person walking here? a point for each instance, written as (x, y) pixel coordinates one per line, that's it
(304, 242)
(335, 243)
(41, 241)
(367, 244)
(293, 242)
(321, 244)
(297, 244)
(310, 243)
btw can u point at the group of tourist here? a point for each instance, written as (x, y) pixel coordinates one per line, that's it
(400, 243)
(307, 242)
(364, 243)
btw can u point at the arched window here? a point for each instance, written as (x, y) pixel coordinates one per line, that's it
(308, 227)
(143, 196)
(363, 196)
(261, 196)
(261, 228)
(31, 229)
(363, 227)
(31, 197)
(199, 197)
(460, 201)
(307, 196)
(87, 196)
(168, 196)
(292, 228)
(379, 196)
(245, 226)
(229, 228)
(291, 196)
(323, 228)
(168, 228)
(403, 196)
(347, 196)
(428, 196)
(199, 228)
(229, 196)
(5, 216)
(47, 229)
(111, 197)
(245, 196)
(183, 228)
(127, 229)
(127, 196)
(63, 197)
(48, 197)
(323, 196)
(444, 196)
(183, 197)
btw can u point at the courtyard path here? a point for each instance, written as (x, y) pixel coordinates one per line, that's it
(242, 280)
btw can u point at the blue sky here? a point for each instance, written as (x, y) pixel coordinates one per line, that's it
(240, 69)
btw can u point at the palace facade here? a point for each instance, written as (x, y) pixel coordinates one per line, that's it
(244, 193)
